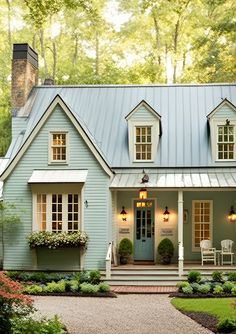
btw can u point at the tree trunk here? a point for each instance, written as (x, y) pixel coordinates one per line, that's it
(54, 52)
(75, 55)
(9, 26)
(176, 36)
(97, 55)
(43, 54)
(158, 44)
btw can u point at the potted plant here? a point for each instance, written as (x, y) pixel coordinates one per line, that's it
(166, 250)
(125, 250)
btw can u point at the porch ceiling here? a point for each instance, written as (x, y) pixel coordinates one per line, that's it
(175, 178)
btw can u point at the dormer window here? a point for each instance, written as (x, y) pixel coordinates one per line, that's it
(143, 143)
(226, 141)
(222, 121)
(144, 129)
(58, 146)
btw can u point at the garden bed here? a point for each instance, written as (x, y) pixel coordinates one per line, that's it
(199, 295)
(78, 294)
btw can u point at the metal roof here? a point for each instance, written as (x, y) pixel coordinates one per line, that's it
(175, 178)
(58, 176)
(101, 110)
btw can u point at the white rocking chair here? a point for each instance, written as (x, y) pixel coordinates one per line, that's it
(226, 251)
(207, 252)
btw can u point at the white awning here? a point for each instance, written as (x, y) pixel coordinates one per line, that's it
(58, 176)
(175, 178)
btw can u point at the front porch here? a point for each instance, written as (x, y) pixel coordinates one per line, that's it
(157, 274)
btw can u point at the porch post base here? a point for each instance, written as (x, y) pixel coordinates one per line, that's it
(181, 267)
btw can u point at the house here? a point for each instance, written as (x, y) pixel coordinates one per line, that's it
(80, 156)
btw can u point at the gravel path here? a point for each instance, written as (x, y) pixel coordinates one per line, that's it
(139, 314)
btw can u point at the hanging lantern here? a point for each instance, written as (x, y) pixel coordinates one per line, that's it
(123, 214)
(143, 193)
(166, 215)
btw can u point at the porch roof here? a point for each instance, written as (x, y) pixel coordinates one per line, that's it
(58, 176)
(175, 178)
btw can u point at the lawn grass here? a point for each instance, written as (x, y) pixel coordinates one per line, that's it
(220, 307)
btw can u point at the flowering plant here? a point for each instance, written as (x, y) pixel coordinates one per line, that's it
(12, 302)
(54, 240)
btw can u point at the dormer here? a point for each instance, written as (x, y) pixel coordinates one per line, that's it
(222, 121)
(144, 128)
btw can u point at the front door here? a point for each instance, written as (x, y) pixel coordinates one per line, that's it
(144, 230)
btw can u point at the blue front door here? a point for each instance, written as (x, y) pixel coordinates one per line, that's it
(144, 230)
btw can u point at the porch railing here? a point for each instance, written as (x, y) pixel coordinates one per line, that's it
(111, 256)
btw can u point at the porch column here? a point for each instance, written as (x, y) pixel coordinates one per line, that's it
(180, 233)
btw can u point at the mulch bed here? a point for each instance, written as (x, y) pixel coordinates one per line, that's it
(77, 294)
(206, 320)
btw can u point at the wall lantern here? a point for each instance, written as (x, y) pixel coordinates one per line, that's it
(123, 214)
(232, 214)
(166, 215)
(143, 193)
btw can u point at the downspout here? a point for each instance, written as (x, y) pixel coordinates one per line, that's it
(180, 233)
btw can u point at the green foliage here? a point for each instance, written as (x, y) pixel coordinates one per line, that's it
(94, 277)
(232, 276)
(84, 277)
(125, 247)
(227, 325)
(194, 276)
(187, 289)
(38, 276)
(104, 287)
(233, 290)
(218, 290)
(217, 276)
(31, 326)
(166, 250)
(72, 285)
(181, 285)
(89, 288)
(33, 289)
(195, 286)
(227, 287)
(55, 287)
(205, 288)
(53, 240)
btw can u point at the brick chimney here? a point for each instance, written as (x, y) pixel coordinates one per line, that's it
(24, 74)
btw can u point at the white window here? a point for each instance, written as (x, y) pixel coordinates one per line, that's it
(58, 212)
(59, 146)
(143, 143)
(226, 142)
(202, 222)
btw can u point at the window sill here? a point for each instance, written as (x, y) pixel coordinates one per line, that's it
(56, 163)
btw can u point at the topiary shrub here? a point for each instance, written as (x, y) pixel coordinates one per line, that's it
(205, 288)
(227, 287)
(166, 250)
(218, 290)
(227, 325)
(194, 277)
(125, 250)
(187, 289)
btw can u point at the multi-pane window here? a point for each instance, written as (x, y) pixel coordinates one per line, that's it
(41, 211)
(58, 212)
(73, 212)
(58, 146)
(143, 142)
(201, 222)
(226, 142)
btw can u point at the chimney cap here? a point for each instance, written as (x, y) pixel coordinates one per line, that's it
(48, 82)
(24, 51)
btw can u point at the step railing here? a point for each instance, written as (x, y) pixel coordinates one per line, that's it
(110, 257)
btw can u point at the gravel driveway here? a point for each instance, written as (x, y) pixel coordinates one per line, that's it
(139, 314)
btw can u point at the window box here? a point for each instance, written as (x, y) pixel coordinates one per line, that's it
(54, 240)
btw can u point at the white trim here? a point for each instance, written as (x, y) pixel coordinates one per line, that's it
(197, 249)
(154, 139)
(147, 106)
(50, 145)
(57, 101)
(224, 102)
